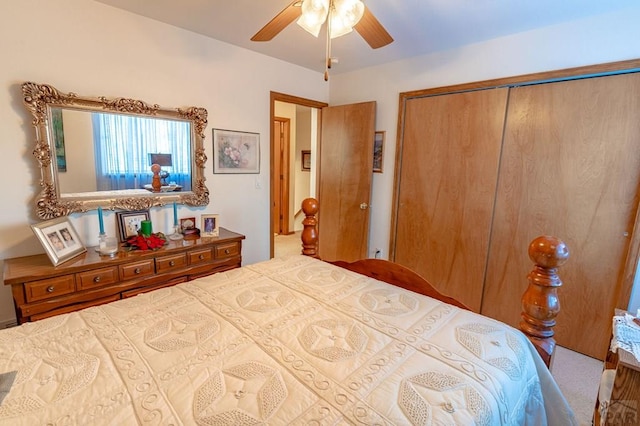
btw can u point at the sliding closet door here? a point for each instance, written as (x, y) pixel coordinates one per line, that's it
(446, 185)
(570, 168)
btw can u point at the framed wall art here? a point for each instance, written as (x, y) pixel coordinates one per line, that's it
(210, 225)
(378, 149)
(59, 239)
(236, 152)
(129, 222)
(306, 160)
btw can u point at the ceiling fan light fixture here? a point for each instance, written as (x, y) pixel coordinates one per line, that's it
(314, 14)
(345, 14)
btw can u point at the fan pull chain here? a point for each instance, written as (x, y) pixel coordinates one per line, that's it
(328, 46)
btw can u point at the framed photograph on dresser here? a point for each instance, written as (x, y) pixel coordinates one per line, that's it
(210, 226)
(129, 222)
(59, 239)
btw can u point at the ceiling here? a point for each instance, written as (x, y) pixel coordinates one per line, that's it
(418, 26)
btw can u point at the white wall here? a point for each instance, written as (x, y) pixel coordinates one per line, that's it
(93, 49)
(607, 38)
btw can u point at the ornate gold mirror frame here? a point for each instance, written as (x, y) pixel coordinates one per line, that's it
(41, 98)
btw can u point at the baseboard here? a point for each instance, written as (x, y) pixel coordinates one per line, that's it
(8, 323)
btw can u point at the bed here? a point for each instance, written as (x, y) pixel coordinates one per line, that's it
(292, 340)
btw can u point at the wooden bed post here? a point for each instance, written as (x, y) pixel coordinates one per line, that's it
(310, 231)
(540, 304)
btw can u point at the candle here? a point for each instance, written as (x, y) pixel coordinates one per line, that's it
(145, 227)
(100, 220)
(175, 214)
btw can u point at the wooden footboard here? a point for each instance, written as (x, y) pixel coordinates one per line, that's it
(540, 304)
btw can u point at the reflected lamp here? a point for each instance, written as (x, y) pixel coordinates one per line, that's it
(162, 160)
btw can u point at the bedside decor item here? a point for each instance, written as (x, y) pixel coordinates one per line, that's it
(146, 228)
(108, 246)
(236, 152)
(210, 226)
(100, 220)
(378, 149)
(129, 223)
(176, 235)
(187, 223)
(142, 242)
(59, 239)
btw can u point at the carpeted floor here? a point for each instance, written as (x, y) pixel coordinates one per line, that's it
(577, 375)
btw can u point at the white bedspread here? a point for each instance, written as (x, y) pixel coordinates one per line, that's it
(287, 341)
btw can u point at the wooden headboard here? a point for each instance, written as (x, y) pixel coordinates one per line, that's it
(540, 304)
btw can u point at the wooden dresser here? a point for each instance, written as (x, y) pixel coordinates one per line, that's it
(41, 290)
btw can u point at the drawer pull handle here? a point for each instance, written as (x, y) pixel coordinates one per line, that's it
(226, 251)
(201, 257)
(137, 270)
(96, 279)
(172, 263)
(50, 289)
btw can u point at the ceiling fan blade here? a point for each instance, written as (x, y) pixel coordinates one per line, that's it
(279, 22)
(372, 30)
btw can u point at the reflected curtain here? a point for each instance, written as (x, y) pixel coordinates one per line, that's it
(123, 144)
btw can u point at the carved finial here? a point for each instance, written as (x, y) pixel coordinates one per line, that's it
(540, 304)
(310, 232)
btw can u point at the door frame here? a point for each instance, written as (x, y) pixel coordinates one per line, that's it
(282, 97)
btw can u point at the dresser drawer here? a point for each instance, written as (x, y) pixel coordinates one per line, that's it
(97, 278)
(197, 257)
(227, 250)
(168, 263)
(136, 269)
(51, 287)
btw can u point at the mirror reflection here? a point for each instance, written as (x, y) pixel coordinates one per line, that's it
(98, 151)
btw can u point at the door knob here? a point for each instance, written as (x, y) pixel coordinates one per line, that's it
(363, 206)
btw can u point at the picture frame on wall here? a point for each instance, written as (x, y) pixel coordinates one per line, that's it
(129, 223)
(59, 239)
(306, 160)
(236, 152)
(378, 150)
(210, 225)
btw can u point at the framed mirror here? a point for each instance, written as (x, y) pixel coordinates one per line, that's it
(98, 152)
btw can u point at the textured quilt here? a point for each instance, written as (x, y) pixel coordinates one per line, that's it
(288, 341)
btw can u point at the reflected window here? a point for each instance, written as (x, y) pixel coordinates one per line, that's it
(123, 144)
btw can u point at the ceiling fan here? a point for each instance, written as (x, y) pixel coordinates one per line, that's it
(341, 16)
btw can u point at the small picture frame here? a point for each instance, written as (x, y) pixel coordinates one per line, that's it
(306, 160)
(59, 239)
(378, 149)
(187, 223)
(129, 223)
(210, 225)
(236, 152)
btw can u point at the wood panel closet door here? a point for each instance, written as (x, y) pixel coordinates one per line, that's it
(570, 168)
(450, 155)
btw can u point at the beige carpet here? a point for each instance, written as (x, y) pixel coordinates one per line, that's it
(577, 375)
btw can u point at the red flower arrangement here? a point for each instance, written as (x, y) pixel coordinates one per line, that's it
(152, 242)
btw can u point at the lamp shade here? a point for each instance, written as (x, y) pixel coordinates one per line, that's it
(163, 160)
(314, 13)
(345, 14)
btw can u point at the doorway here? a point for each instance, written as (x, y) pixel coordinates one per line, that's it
(295, 128)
